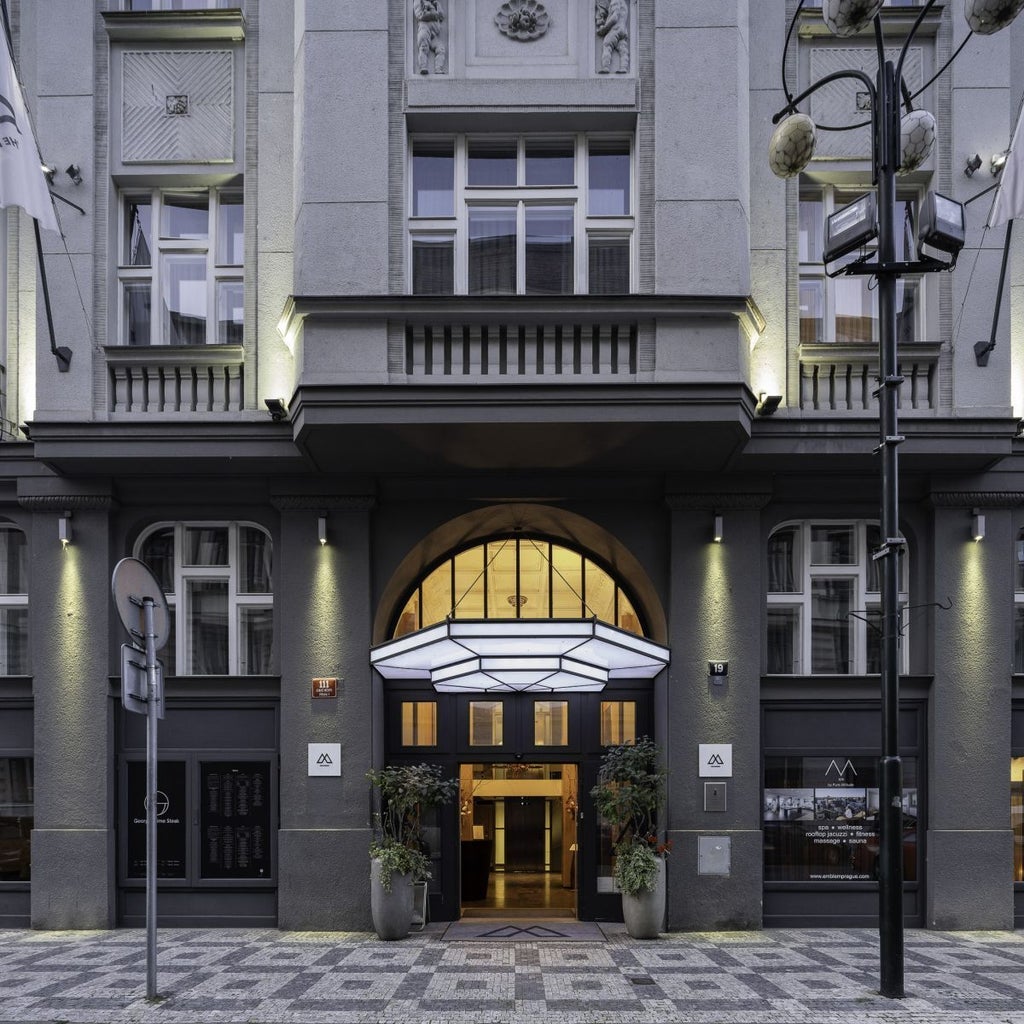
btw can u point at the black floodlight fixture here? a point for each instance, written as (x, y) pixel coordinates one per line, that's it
(941, 224)
(277, 407)
(851, 227)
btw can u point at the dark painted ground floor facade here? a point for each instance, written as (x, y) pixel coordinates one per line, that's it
(767, 712)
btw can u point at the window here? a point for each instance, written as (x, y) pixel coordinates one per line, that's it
(486, 723)
(13, 602)
(17, 818)
(1017, 815)
(217, 580)
(521, 215)
(1018, 611)
(824, 599)
(844, 310)
(419, 723)
(618, 722)
(180, 276)
(551, 723)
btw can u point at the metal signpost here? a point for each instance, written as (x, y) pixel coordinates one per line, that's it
(143, 610)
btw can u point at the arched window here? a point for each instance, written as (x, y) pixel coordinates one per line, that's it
(517, 578)
(217, 578)
(13, 602)
(824, 601)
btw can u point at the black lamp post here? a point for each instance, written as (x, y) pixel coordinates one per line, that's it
(898, 144)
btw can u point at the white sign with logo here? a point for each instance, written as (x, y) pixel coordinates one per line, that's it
(324, 759)
(715, 760)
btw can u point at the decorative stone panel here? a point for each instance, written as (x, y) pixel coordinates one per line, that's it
(847, 101)
(177, 106)
(175, 379)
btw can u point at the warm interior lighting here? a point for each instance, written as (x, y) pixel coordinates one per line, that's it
(973, 163)
(531, 655)
(321, 529)
(64, 533)
(977, 525)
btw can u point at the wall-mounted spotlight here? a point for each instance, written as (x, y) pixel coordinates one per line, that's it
(999, 162)
(74, 172)
(277, 407)
(767, 404)
(48, 172)
(717, 535)
(977, 525)
(321, 529)
(973, 163)
(64, 534)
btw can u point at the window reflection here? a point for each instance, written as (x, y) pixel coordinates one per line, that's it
(486, 720)
(17, 818)
(551, 723)
(419, 723)
(618, 722)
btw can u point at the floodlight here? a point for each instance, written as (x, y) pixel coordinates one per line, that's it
(851, 227)
(941, 224)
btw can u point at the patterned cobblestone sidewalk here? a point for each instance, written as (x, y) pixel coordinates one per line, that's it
(264, 976)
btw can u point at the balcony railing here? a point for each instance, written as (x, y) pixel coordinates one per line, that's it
(175, 379)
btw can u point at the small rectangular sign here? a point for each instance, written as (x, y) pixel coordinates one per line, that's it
(327, 687)
(718, 668)
(324, 759)
(715, 760)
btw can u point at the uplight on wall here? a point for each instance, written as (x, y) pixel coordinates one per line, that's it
(321, 529)
(977, 525)
(717, 535)
(64, 534)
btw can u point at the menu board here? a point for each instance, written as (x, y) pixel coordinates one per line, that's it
(171, 821)
(821, 819)
(235, 819)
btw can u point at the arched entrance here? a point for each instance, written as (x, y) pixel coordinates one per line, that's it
(513, 659)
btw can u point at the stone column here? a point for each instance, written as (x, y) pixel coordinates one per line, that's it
(70, 608)
(715, 616)
(324, 609)
(970, 843)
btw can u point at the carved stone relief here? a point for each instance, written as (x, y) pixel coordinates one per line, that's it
(431, 37)
(612, 20)
(522, 19)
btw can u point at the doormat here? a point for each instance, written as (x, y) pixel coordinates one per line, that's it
(482, 929)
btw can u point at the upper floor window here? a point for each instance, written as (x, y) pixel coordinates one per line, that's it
(217, 580)
(181, 254)
(13, 602)
(533, 215)
(845, 309)
(824, 600)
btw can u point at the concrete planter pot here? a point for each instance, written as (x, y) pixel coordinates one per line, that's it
(391, 911)
(645, 914)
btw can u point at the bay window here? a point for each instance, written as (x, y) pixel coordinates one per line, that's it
(824, 599)
(217, 581)
(520, 215)
(844, 310)
(180, 273)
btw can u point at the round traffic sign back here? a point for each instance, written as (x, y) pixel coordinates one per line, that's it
(132, 582)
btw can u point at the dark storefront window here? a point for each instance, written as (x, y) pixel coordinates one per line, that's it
(17, 817)
(821, 819)
(171, 822)
(1017, 816)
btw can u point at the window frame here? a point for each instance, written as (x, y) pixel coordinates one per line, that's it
(866, 602)
(163, 249)
(17, 601)
(520, 197)
(184, 574)
(813, 270)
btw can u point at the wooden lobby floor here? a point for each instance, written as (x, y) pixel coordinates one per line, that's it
(532, 892)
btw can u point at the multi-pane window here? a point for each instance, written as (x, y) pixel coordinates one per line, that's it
(1018, 611)
(217, 578)
(533, 215)
(13, 602)
(845, 309)
(180, 273)
(824, 600)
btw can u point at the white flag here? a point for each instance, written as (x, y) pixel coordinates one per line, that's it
(22, 182)
(1009, 201)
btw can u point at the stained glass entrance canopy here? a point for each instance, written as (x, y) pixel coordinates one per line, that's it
(540, 656)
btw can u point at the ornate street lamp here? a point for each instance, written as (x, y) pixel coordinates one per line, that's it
(899, 145)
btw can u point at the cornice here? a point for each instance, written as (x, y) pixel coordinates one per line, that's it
(323, 502)
(67, 502)
(719, 502)
(976, 499)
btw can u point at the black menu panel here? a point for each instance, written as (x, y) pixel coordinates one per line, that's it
(235, 819)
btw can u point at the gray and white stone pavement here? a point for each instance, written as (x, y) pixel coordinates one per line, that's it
(260, 976)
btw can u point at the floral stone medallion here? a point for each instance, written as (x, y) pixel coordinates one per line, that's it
(522, 19)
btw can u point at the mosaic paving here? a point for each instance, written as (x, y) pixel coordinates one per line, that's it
(264, 976)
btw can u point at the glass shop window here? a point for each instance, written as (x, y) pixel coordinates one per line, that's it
(551, 723)
(618, 722)
(17, 818)
(1017, 816)
(419, 723)
(486, 720)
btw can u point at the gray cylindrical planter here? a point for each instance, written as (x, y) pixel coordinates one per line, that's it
(645, 914)
(391, 911)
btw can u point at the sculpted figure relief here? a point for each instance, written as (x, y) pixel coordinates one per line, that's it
(612, 20)
(429, 35)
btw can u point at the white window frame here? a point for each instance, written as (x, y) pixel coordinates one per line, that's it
(811, 270)
(519, 197)
(14, 602)
(216, 273)
(184, 574)
(864, 601)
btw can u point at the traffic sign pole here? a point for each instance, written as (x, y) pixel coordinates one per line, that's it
(152, 698)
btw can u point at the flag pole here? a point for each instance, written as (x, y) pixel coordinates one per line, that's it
(983, 348)
(63, 353)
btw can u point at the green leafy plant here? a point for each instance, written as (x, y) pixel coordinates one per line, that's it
(405, 792)
(629, 793)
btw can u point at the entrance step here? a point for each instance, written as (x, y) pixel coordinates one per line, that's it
(534, 929)
(493, 914)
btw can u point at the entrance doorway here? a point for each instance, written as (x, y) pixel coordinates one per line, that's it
(519, 841)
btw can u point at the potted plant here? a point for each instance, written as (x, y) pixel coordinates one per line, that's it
(629, 793)
(398, 852)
